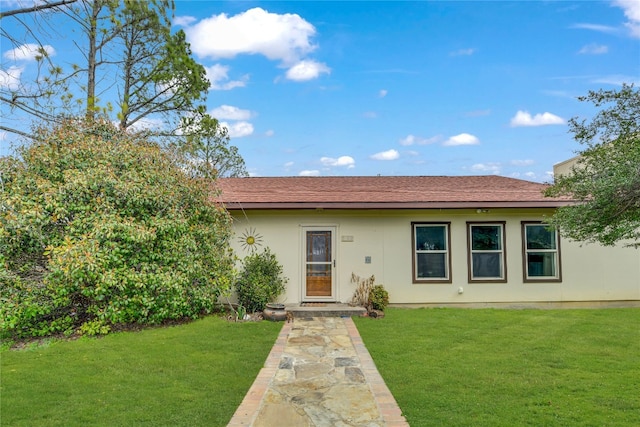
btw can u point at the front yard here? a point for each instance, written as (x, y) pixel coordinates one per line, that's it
(194, 374)
(465, 367)
(444, 366)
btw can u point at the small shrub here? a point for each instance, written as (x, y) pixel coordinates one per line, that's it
(260, 281)
(378, 297)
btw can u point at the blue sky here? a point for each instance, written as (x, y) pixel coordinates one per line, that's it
(405, 88)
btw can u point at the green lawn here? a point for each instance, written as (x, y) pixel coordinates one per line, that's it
(444, 366)
(455, 367)
(190, 375)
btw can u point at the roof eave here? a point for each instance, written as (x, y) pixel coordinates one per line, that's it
(395, 205)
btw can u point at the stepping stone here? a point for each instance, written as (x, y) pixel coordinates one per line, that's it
(346, 361)
(354, 375)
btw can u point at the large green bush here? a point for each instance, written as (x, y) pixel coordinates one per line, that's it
(260, 281)
(101, 228)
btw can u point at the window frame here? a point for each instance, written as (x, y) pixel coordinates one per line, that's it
(502, 251)
(415, 252)
(525, 265)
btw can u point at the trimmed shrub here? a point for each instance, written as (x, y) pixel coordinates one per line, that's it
(260, 281)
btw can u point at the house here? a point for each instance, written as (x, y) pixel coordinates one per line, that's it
(430, 240)
(565, 167)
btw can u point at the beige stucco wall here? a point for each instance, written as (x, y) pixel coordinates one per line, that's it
(589, 272)
(565, 167)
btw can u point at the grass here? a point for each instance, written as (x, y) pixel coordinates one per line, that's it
(187, 375)
(510, 367)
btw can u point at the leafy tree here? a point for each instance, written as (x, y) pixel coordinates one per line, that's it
(100, 227)
(207, 150)
(605, 181)
(130, 60)
(18, 97)
(133, 69)
(159, 75)
(57, 92)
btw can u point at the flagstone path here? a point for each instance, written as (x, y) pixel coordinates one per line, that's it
(319, 373)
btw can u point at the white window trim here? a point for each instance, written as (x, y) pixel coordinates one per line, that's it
(525, 252)
(415, 252)
(503, 252)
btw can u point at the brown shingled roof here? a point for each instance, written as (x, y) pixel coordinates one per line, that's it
(382, 192)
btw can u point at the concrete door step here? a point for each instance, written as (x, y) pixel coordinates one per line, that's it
(314, 309)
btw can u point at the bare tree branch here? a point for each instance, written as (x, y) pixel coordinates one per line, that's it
(36, 8)
(17, 132)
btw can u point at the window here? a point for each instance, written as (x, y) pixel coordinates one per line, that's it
(486, 252)
(431, 256)
(541, 255)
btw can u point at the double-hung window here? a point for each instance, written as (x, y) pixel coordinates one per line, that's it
(541, 253)
(431, 254)
(486, 252)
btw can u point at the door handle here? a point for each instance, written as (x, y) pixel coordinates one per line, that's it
(334, 263)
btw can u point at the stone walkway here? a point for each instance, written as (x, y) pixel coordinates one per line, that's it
(319, 374)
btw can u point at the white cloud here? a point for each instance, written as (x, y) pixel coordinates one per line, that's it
(347, 161)
(463, 52)
(461, 139)
(238, 129)
(594, 49)
(386, 155)
(184, 21)
(270, 133)
(219, 79)
(288, 164)
(531, 176)
(524, 118)
(417, 140)
(29, 52)
(228, 112)
(408, 140)
(617, 79)
(10, 78)
(631, 8)
(493, 168)
(279, 37)
(370, 115)
(596, 27)
(632, 12)
(285, 37)
(527, 162)
(307, 70)
(145, 124)
(309, 173)
(382, 93)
